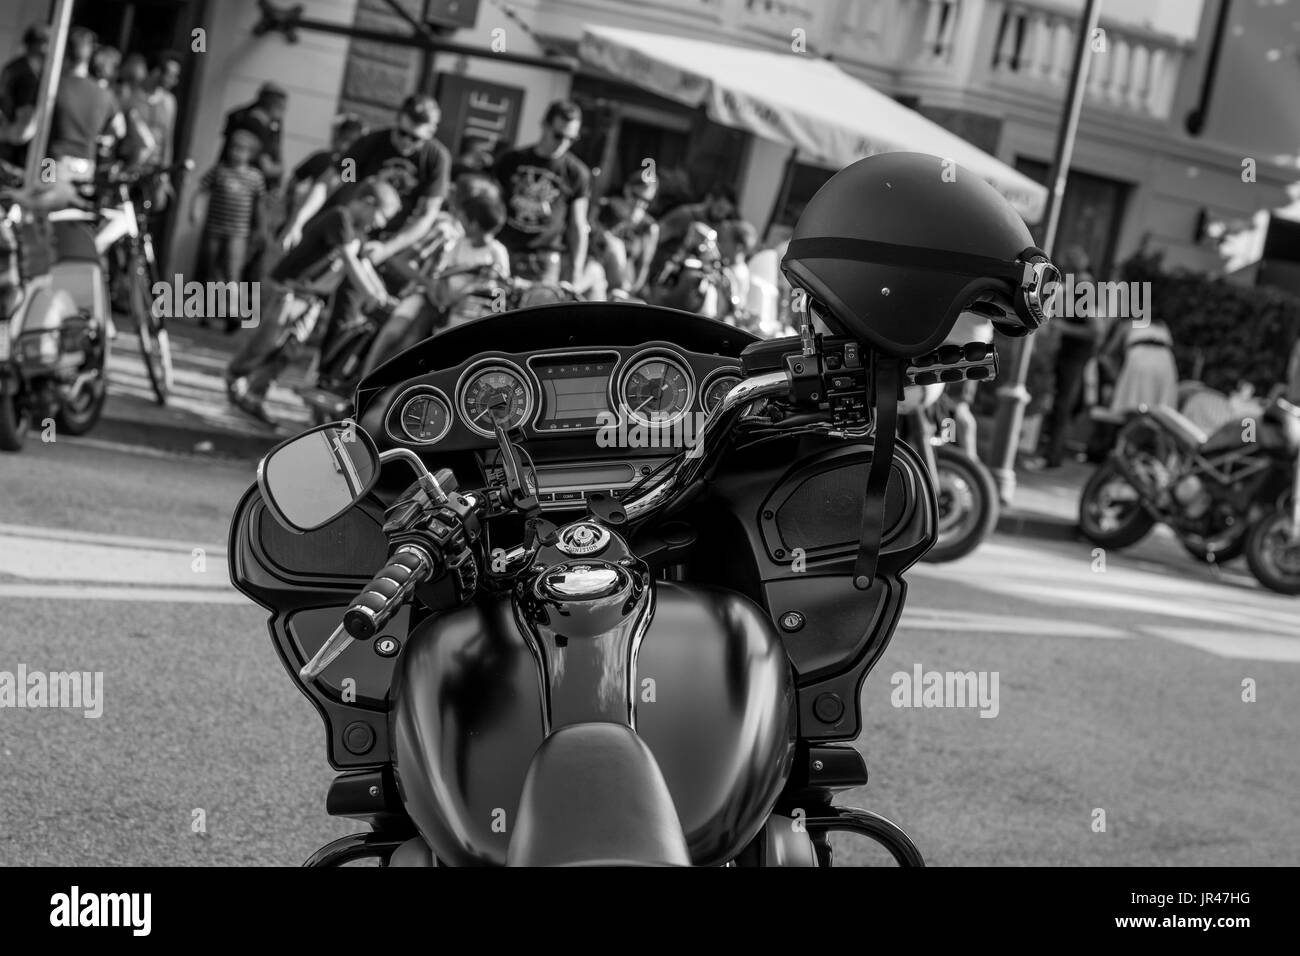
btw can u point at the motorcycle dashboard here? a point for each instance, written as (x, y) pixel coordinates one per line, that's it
(649, 397)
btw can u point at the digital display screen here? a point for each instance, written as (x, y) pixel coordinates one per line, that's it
(574, 393)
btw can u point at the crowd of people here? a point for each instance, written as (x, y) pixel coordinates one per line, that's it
(351, 221)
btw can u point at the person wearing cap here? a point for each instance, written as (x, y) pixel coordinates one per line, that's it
(20, 82)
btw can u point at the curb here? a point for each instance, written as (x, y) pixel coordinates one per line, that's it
(1036, 524)
(185, 438)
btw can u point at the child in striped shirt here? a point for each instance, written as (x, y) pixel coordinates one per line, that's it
(232, 193)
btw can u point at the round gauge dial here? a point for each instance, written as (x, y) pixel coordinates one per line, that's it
(425, 418)
(495, 390)
(717, 391)
(656, 391)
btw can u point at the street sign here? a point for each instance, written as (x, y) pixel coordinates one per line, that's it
(477, 109)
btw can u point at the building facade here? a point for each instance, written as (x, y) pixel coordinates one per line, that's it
(994, 71)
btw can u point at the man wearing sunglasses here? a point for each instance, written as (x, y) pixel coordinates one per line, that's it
(547, 190)
(409, 159)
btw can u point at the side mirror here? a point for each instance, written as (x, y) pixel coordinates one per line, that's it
(310, 480)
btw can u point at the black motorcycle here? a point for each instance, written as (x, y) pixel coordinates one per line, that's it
(621, 616)
(1211, 490)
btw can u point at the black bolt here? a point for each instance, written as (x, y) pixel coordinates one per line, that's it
(768, 516)
(780, 553)
(828, 708)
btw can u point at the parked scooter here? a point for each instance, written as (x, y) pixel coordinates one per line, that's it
(53, 340)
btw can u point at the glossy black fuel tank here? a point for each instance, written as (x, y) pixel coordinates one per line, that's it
(715, 704)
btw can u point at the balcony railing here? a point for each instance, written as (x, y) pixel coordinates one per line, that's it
(1131, 69)
(1025, 46)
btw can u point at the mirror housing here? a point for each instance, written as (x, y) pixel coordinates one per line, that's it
(314, 477)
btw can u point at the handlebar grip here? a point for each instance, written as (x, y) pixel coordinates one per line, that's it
(387, 592)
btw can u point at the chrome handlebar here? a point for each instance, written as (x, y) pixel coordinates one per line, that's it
(710, 442)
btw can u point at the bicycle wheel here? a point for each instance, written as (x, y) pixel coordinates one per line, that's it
(155, 346)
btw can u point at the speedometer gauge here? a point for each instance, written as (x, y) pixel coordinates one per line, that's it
(425, 417)
(656, 391)
(717, 391)
(492, 391)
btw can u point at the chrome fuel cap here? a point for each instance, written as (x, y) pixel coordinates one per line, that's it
(582, 538)
(583, 582)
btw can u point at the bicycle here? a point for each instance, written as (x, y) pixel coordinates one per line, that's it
(123, 240)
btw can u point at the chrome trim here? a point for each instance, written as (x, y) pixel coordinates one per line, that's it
(474, 369)
(609, 388)
(399, 405)
(716, 427)
(637, 358)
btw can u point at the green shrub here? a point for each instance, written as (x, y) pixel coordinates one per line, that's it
(1235, 333)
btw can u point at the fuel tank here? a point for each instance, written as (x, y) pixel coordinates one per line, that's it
(714, 701)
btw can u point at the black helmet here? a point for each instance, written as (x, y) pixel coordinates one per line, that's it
(895, 246)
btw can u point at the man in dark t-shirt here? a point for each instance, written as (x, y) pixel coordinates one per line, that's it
(328, 253)
(347, 129)
(547, 190)
(409, 159)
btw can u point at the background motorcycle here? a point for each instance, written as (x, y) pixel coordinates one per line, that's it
(964, 488)
(1209, 489)
(694, 279)
(53, 343)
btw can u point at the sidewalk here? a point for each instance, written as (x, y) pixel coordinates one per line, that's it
(197, 417)
(1046, 503)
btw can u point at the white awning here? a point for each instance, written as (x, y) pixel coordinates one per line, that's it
(830, 117)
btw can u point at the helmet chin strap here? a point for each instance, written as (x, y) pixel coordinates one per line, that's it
(888, 373)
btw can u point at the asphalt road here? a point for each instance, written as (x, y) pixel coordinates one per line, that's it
(1119, 690)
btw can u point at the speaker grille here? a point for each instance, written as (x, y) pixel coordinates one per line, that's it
(825, 509)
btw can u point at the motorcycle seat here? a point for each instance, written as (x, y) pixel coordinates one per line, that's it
(595, 796)
(1183, 429)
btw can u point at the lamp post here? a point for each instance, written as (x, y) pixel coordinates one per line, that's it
(1013, 396)
(48, 91)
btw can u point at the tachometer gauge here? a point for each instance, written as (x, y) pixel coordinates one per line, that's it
(717, 391)
(656, 391)
(492, 390)
(425, 418)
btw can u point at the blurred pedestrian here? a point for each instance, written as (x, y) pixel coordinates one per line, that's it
(328, 253)
(636, 228)
(348, 128)
(263, 118)
(20, 82)
(157, 108)
(717, 207)
(138, 147)
(232, 192)
(83, 112)
(547, 192)
(475, 157)
(1079, 337)
(1148, 377)
(409, 158)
